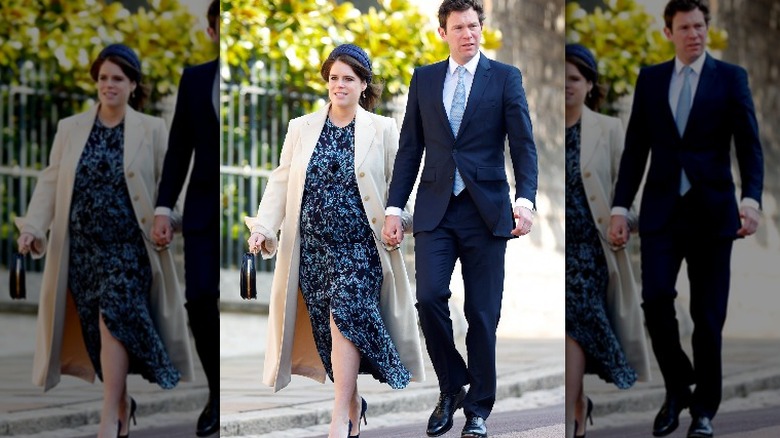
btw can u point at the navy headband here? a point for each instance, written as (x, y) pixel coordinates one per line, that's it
(124, 52)
(581, 52)
(356, 52)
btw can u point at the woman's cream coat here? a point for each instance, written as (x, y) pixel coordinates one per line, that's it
(601, 146)
(290, 348)
(60, 346)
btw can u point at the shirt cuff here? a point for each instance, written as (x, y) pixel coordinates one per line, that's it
(393, 211)
(750, 202)
(162, 211)
(619, 211)
(523, 202)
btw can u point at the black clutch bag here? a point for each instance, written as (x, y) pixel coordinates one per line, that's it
(248, 277)
(17, 284)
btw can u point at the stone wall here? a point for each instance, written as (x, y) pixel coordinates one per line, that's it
(533, 40)
(753, 33)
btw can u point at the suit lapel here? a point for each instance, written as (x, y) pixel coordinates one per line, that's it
(364, 135)
(708, 77)
(439, 76)
(478, 85)
(590, 136)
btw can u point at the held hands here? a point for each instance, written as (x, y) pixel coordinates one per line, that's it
(25, 243)
(393, 230)
(524, 220)
(162, 230)
(255, 242)
(750, 219)
(618, 232)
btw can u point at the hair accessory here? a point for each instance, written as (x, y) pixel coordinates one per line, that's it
(123, 52)
(582, 52)
(356, 52)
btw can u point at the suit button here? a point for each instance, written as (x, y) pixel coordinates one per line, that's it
(362, 174)
(586, 175)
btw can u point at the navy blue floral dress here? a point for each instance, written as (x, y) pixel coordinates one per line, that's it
(109, 271)
(340, 271)
(587, 278)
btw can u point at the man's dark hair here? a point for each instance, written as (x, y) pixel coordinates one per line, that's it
(448, 6)
(675, 6)
(213, 14)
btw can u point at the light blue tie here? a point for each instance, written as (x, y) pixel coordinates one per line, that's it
(456, 116)
(681, 119)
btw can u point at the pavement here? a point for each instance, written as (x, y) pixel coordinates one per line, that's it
(529, 360)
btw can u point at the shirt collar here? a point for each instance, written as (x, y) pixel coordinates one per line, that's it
(696, 66)
(471, 66)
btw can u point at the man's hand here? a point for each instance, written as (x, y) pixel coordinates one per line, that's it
(162, 231)
(750, 219)
(524, 220)
(255, 242)
(392, 231)
(618, 232)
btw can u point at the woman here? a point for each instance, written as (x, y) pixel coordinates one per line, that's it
(341, 303)
(110, 301)
(604, 330)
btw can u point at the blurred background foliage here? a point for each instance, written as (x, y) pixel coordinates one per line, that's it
(624, 38)
(62, 37)
(396, 35)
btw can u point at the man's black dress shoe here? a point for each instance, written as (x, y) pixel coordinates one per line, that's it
(208, 422)
(440, 421)
(668, 417)
(474, 428)
(701, 427)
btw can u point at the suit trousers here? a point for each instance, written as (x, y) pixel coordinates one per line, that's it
(201, 276)
(462, 234)
(708, 259)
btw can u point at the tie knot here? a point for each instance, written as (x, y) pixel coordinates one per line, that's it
(686, 70)
(460, 70)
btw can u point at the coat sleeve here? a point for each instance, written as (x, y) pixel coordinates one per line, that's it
(746, 139)
(271, 211)
(410, 150)
(636, 149)
(40, 211)
(522, 148)
(181, 146)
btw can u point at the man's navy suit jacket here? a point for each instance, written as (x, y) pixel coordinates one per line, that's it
(496, 108)
(195, 128)
(722, 110)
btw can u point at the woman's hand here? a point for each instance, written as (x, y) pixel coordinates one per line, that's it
(25, 242)
(255, 242)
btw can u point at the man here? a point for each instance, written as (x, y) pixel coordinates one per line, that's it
(195, 129)
(460, 113)
(687, 111)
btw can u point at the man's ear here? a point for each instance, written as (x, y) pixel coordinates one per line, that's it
(442, 33)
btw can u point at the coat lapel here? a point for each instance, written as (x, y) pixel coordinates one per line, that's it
(481, 79)
(590, 136)
(364, 135)
(134, 135)
(80, 135)
(311, 133)
(665, 81)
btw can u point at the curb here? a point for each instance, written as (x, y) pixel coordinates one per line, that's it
(311, 414)
(75, 415)
(738, 386)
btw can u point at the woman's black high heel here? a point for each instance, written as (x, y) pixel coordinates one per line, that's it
(363, 408)
(131, 416)
(588, 416)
